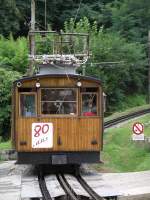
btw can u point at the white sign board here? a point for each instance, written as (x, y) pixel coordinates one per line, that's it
(138, 130)
(138, 137)
(42, 135)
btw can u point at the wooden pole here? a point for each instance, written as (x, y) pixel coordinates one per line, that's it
(32, 37)
(149, 67)
(32, 15)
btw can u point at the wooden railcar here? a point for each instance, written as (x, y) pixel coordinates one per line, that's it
(57, 119)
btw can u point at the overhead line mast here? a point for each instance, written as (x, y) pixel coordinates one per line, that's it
(32, 37)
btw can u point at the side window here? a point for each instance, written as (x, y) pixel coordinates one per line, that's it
(27, 105)
(89, 105)
(59, 101)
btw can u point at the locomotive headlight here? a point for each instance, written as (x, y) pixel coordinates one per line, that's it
(19, 84)
(79, 84)
(38, 84)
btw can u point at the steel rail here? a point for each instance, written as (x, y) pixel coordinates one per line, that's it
(88, 189)
(118, 120)
(43, 187)
(67, 188)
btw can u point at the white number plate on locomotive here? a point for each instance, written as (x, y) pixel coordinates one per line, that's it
(42, 135)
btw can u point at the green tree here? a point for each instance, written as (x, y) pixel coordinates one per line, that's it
(15, 14)
(131, 19)
(14, 54)
(125, 78)
(9, 17)
(6, 79)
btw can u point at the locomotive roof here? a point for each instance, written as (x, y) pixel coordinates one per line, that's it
(60, 75)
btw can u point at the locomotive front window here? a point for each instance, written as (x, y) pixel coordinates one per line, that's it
(89, 102)
(27, 105)
(58, 101)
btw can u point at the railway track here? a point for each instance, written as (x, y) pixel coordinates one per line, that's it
(68, 189)
(43, 187)
(124, 118)
(88, 189)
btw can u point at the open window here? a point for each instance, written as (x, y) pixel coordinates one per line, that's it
(27, 104)
(59, 101)
(89, 101)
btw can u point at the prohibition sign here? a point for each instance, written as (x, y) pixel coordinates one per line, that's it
(138, 128)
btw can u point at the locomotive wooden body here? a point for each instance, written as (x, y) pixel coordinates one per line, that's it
(57, 119)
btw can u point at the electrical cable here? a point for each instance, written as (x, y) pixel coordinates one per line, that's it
(77, 13)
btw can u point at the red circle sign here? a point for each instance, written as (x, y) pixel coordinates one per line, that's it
(138, 128)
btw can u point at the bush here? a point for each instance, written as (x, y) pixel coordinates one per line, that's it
(6, 79)
(132, 101)
(14, 54)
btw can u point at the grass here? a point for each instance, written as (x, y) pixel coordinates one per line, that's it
(5, 145)
(121, 154)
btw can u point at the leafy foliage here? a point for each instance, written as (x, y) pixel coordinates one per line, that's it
(13, 63)
(9, 17)
(15, 14)
(124, 78)
(128, 17)
(6, 79)
(13, 54)
(131, 19)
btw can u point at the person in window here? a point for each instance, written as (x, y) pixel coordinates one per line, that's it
(27, 105)
(89, 106)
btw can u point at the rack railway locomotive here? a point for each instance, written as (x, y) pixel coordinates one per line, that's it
(57, 119)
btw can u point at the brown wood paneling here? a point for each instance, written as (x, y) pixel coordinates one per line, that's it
(58, 82)
(76, 134)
